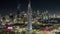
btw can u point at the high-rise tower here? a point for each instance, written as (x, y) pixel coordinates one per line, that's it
(29, 18)
(38, 12)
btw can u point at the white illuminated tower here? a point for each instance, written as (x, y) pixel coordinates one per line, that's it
(38, 12)
(54, 16)
(29, 18)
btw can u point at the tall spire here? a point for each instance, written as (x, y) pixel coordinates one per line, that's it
(29, 5)
(29, 17)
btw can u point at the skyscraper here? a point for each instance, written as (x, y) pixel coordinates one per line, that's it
(29, 18)
(38, 12)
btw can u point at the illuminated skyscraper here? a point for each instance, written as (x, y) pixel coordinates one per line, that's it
(54, 15)
(29, 18)
(38, 12)
(45, 15)
(0, 18)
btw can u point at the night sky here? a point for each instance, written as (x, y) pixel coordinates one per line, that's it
(50, 5)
